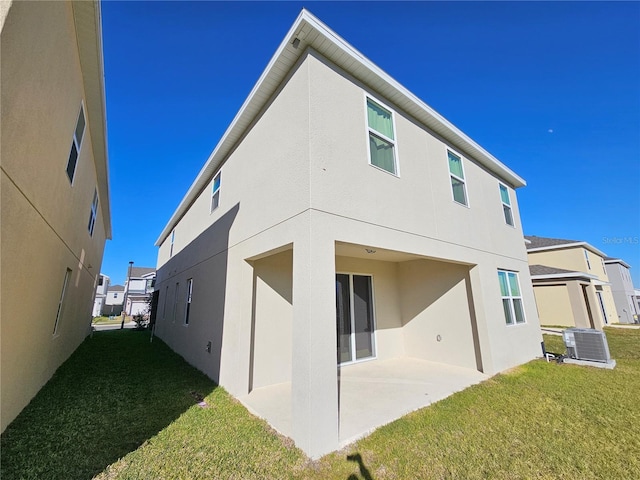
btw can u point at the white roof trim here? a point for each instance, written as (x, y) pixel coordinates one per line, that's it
(550, 276)
(617, 260)
(312, 33)
(568, 245)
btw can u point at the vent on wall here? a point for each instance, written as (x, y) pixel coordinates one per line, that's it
(586, 344)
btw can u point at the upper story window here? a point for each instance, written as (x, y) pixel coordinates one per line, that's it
(456, 171)
(506, 205)
(382, 143)
(75, 145)
(511, 297)
(93, 213)
(215, 193)
(586, 257)
(173, 237)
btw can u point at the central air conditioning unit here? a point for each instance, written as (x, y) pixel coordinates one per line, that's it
(586, 344)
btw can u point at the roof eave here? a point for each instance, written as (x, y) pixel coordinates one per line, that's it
(88, 22)
(261, 93)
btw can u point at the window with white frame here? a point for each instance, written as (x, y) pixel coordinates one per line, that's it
(382, 142)
(65, 282)
(215, 192)
(173, 237)
(506, 205)
(93, 214)
(188, 301)
(456, 171)
(586, 257)
(511, 297)
(76, 143)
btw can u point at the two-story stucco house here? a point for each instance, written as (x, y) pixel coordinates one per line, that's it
(138, 290)
(344, 248)
(622, 290)
(570, 283)
(101, 295)
(54, 188)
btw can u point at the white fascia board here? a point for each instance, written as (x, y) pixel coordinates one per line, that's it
(617, 260)
(568, 245)
(307, 26)
(570, 275)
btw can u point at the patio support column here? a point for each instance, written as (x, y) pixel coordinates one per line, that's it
(478, 277)
(314, 388)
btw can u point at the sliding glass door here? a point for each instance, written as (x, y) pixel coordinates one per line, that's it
(354, 317)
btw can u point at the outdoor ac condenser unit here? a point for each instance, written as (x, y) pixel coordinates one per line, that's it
(586, 344)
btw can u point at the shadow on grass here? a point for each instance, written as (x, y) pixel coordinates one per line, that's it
(116, 391)
(366, 475)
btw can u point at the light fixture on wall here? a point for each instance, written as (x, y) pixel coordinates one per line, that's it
(296, 42)
(370, 251)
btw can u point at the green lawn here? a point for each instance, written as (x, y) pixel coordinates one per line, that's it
(122, 408)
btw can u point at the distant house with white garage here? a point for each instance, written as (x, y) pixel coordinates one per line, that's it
(342, 224)
(139, 288)
(114, 300)
(101, 295)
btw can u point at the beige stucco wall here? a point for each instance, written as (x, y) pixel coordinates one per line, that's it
(272, 319)
(44, 218)
(572, 259)
(554, 305)
(305, 188)
(435, 312)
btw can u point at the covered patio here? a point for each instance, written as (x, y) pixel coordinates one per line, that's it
(370, 394)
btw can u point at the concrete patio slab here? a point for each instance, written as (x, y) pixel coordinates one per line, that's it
(371, 394)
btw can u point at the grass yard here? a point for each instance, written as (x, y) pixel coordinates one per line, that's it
(108, 321)
(122, 408)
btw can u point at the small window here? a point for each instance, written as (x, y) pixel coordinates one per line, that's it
(215, 193)
(456, 172)
(100, 280)
(506, 205)
(75, 145)
(586, 257)
(188, 301)
(173, 237)
(175, 302)
(115, 294)
(94, 213)
(382, 144)
(511, 297)
(65, 282)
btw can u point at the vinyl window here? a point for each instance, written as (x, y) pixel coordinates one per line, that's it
(456, 172)
(76, 143)
(511, 297)
(93, 213)
(173, 237)
(187, 310)
(586, 257)
(382, 142)
(215, 193)
(506, 205)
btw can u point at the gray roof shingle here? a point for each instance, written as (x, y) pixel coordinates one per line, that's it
(538, 242)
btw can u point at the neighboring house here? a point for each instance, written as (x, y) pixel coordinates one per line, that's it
(54, 188)
(114, 301)
(570, 283)
(101, 294)
(636, 292)
(341, 220)
(622, 290)
(139, 289)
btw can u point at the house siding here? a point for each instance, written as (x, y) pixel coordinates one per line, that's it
(44, 218)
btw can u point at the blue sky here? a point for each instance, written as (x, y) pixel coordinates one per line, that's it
(552, 89)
